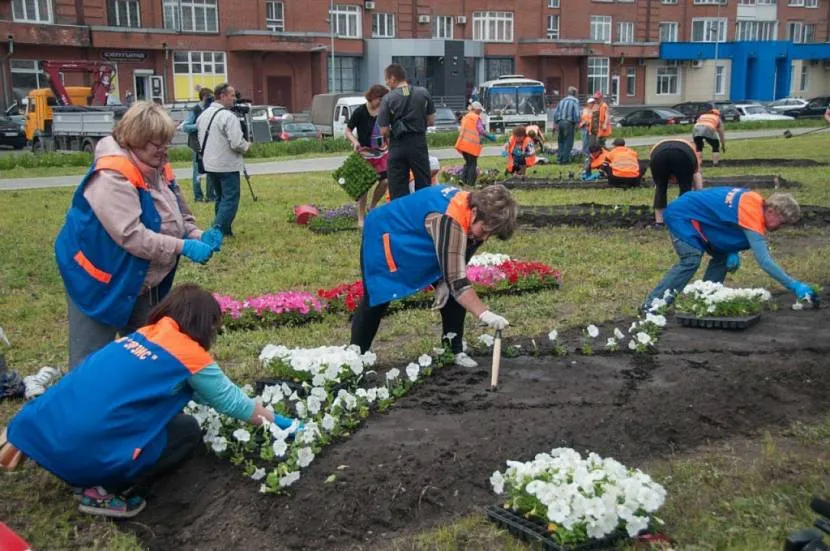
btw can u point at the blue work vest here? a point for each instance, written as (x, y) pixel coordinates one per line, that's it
(104, 422)
(398, 256)
(100, 277)
(714, 219)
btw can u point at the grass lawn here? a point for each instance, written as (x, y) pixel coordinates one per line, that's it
(730, 495)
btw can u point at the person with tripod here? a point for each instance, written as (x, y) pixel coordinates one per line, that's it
(222, 145)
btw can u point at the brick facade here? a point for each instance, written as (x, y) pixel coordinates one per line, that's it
(290, 67)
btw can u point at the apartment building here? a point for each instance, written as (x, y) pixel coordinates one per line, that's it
(285, 51)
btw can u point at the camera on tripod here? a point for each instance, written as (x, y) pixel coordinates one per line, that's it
(812, 539)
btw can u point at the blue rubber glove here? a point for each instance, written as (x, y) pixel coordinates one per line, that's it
(491, 137)
(504, 153)
(213, 237)
(590, 177)
(733, 262)
(197, 251)
(803, 291)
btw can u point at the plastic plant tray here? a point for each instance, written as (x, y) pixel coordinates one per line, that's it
(536, 533)
(690, 320)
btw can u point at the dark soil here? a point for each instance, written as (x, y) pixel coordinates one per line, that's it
(594, 215)
(751, 181)
(428, 459)
(784, 163)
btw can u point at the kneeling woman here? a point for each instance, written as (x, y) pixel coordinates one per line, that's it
(424, 238)
(115, 422)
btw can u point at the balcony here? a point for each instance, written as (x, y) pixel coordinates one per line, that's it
(45, 33)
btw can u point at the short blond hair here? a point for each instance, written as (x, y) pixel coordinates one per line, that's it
(786, 206)
(144, 122)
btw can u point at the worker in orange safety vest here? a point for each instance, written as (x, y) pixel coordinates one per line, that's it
(469, 142)
(622, 166)
(709, 128)
(520, 152)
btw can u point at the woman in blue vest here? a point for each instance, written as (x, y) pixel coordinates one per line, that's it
(125, 230)
(115, 422)
(723, 221)
(424, 238)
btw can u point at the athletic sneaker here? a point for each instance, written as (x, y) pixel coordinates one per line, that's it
(97, 501)
(463, 360)
(38, 383)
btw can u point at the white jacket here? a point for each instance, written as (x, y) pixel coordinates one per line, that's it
(225, 144)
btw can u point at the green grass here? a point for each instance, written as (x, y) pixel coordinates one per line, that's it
(721, 498)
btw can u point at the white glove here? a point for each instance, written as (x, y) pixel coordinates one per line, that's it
(442, 295)
(493, 321)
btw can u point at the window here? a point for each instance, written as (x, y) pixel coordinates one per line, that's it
(274, 16)
(709, 29)
(191, 16)
(668, 1)
(799, 32)
(553, 3)
(345, 22)
(553, 27)
(810, 3)
(625, 32)
(124, 13)
(709, 2)
(757, 2)
(601, 28)
(796, 3)
(808, 33)
(26, 75)
(756, 30)
(598, 75)
(493, 26)
(720, 79)
(630, 81)
(495, 67)
(346, 73)
(805, 78)
(668, 31)
(667, 80)
(35, 11)
(205, 69)
(383, 25)
(442, 27)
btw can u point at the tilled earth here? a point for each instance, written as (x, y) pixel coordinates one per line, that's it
(428, 459)
(752, 182)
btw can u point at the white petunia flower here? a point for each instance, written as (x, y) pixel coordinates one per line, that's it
(632, 344)
(619, 334)
(263, 488)
(301, 409)
(412, 371)
(341, 181)
(644, 338)
(247, 389)
(393, 374)
(304, 457)
(497, 482)
(488, 340)
(593, 331)
(219, 444)
(425, 360)
(611, 343)
(259, 474)
(242, 435)
(553, 335)
(313, 404)
(279, 447)
(383, 393)
(289, 479)
(328, 422)
(450, 336)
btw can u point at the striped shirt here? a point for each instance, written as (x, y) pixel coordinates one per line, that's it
(567, 110)
(453, 248)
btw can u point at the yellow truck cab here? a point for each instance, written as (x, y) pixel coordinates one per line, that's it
(39, 109)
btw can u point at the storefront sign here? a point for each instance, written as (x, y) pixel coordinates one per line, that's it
(124, 55)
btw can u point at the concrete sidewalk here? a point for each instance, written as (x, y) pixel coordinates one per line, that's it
(328, 164)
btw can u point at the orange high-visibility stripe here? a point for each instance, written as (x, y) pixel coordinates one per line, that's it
(709, 119)
(624, 162)
(469, 141)
(751, 212)
(96, 273)
(166, 334)
(168, 173)
(460, 211)
(387, 251)
(123, 166)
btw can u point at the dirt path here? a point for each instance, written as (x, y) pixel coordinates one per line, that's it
(427, 460)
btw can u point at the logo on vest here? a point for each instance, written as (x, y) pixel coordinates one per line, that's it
(447, 190)
(730, 197)
(137, 349)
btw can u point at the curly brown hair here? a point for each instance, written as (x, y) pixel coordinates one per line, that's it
(376, 91)
(497, 209)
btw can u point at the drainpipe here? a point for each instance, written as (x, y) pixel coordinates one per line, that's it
(4, 83)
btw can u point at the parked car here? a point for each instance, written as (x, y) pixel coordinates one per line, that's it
(814, 108)
(12, 132)
(445, 121)
(693, 109)
(757, 112)
(273, 114)
(654, 117)
(299, 131)
(786, 104)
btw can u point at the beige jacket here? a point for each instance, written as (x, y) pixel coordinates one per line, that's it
(114, 200)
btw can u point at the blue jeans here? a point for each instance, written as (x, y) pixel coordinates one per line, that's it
(226, 186)
(681, 273)
(197, 186)
(566, 141)
(586, 141)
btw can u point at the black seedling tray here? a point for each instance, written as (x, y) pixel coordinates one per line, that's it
(536, 532)
(689, 320)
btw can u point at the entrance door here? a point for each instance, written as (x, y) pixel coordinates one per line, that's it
(615, 89)
(142, 85)
(553, 87)
(279, 92)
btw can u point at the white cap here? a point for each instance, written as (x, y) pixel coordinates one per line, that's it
(591, 100)
(476, 105)
(434, 164)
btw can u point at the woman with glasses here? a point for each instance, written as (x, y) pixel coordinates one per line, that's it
(127, 225)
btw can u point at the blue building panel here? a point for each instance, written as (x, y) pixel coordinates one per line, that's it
(760, 69)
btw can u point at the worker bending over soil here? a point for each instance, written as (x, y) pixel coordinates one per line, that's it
(521, 154)
(709, 128)
(723, 221)
(673, 160)
(621, 165)
(115, 422)
(424, 238)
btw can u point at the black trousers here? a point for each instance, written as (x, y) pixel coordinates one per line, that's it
(367, 318)
(409, 152)
(470, 168)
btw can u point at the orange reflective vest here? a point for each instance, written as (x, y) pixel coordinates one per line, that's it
(469, 140)
(599, 159)
(168, 173)
(604, 122)
(530, 160)
(709, 119)
(624, 162)
(587, 115)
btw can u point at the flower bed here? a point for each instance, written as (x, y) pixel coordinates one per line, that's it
(295, 307)
(579, 499)
(709, 299)
(453, 175)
